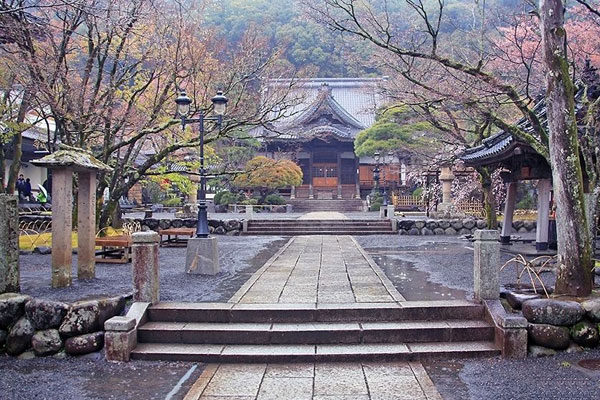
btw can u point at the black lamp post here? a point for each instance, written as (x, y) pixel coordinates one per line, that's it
(183, 109)
(385, 182)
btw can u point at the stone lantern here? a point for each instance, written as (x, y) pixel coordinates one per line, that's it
(63, 163)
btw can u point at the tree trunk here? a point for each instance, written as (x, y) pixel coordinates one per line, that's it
(489, 201)
(15, 167)
(574, 242)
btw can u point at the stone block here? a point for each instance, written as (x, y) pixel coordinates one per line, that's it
(486, 265)
(585, 334)
(82, 317)
(554, 337)
(19, 337)
(119, 344)
(9, 244)
(120, 323)
(12, 307)
(84, 344)
(202, 256)
(45, 314)
(109, 307)
(145, 267)
(46, 342)
(553, 312)
(592, 309)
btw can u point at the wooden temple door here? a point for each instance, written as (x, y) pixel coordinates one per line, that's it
(325, 175)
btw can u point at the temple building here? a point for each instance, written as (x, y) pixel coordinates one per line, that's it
(319, 134)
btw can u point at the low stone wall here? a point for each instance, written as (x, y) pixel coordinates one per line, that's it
(34, 327)
(556, 325)
(230, 227)
(454, 227)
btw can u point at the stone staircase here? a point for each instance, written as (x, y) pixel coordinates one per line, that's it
(298, 227)
(228, 332)
(313, 205)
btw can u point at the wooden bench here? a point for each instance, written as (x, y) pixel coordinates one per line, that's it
(176, 241)
(115, 249)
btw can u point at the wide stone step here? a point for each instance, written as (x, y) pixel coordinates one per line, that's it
(316, 333)
(214, 353)
(441, 310)
(288, 232)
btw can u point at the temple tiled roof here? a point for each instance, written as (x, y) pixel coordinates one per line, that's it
(502, 144)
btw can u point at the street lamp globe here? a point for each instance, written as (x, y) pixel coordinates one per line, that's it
(376, 157)
(183, 104)
(220, 103)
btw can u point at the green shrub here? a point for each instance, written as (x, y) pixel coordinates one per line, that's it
(227, 198)
(418, 192)
(526, 203)
(274, 199)
(171, 202)
(376, 205)
(218, 196)
(250, 202)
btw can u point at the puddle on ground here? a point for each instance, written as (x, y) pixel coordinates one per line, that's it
(445, 375)
(413, 284)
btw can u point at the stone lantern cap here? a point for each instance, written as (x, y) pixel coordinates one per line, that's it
(72, 157)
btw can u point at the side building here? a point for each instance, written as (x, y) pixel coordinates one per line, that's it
(319, 133)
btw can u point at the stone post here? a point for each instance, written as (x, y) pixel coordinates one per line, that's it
(249, 212)
(446, 177)
(486, 265)
(390, 211)
(145, 267)
(120, 338)
(509, 210)
(86, 225)
(293, 193)
(9, 244)
(62, 225)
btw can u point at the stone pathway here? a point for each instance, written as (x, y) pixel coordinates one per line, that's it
(356, 381)
(316, 270)
(323, 215)
(319, 269)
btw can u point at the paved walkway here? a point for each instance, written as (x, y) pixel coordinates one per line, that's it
(316, 269)
(352, 381)
(323, 215)
(319, 269)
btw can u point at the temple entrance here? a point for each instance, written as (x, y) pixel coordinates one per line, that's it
(325, 175)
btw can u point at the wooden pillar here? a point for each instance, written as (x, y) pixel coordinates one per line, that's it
(509, 210)
(339, 175)
(541, 235)
(62, 217)
(311, 195)
(357, 176)
(86, 225)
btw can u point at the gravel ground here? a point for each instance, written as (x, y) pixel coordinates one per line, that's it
(239, 256)
(558, 377)
(91, 377)
(447, 260)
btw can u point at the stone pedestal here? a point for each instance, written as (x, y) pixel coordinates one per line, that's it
(9, 244)
(62, 226)
(120, 338)
(486, 265)
(446, 177)
(249, 212)
(145, 267)
(390, 211)
(86, 225)
(202, 256)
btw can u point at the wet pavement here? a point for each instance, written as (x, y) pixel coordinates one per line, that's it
(319, 269)
(356, 381)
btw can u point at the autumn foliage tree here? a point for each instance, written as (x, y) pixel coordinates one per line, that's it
(107, 73)
(267, 175)
(461, 86)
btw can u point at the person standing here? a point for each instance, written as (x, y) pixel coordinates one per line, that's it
(27, 190)
(20, 185)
